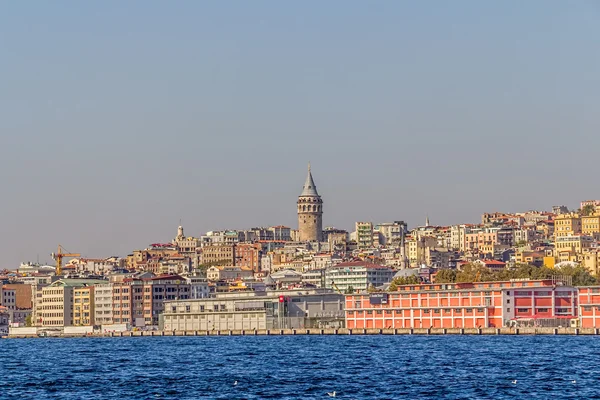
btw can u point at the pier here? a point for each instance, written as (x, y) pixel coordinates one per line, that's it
(319, 332)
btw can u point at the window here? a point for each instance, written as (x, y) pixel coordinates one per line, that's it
(522, 293)
(544, 310)
(522, 310)
(458, 310)
(507, 301)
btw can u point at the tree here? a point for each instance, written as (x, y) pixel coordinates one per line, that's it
(393, 287)
(403, 280)
(580, 275)
(445, 276)
(350, 290)
(203, 267)
(588, 209)
(371, 288)
(28, 321)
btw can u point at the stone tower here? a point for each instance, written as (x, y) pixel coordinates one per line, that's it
(310, 212)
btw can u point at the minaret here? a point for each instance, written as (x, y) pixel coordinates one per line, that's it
(427, 221)
(310, 212)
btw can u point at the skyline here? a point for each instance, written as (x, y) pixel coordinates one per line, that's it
(119, 120)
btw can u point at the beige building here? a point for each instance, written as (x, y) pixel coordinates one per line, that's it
(228, 273)
(567, 225)
(364, 234)
(56, 306)
(418, 249)
(219, 253)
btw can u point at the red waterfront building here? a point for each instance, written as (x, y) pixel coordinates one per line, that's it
(589, 306)
(465, 305)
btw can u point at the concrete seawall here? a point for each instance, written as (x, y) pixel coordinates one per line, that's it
(341, 331)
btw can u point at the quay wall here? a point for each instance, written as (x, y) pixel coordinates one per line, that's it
(340, 331)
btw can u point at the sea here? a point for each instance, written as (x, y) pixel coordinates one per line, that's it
(302, 367)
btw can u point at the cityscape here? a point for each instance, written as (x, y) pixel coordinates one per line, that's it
(520, 269)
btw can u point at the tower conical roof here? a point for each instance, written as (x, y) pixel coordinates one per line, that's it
(309, 189)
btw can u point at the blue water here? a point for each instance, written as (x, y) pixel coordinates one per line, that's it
(301, 367)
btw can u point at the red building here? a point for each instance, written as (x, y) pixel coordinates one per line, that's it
(589, 307)
(248, 255)
(139, 302)
(465, 305)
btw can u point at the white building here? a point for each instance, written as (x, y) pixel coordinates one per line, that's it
(357, 274)
(103, 294)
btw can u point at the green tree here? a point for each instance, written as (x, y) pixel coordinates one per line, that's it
(445, 276)
(403, 280)
(350, 290)
(580, 275)
(204, 266)
(28, 321)
(393, 287)
(588, 209)
(475, 272)
(371, 288)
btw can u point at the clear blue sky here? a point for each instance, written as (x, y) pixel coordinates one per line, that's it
(119, 118)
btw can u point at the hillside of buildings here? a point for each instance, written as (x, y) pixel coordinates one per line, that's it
(135, 291)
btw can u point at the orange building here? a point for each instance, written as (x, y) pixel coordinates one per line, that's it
(465, 305)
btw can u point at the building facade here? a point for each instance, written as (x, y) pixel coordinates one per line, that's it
(357, 276)
(257, 310)
(465, 305)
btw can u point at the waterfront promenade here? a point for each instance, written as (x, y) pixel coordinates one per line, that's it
(341, 331)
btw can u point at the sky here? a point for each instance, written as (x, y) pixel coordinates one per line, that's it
(119, 119)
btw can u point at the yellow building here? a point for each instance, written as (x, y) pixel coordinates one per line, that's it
(590, 225)
(56, 304)
(83, 306)
(418, 249)
(529, 257)
(591, 260)
(568, 248)
(567, 225)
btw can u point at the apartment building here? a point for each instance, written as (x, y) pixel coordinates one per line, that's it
(568, 248)
(55, 308)
(358, 275)
(590, 225)
(219, 253)
(567, 225)
(364, 234)
(140, 301)
(83, 306)
(103, 311)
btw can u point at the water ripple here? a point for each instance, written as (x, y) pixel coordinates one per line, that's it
(302, 367)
